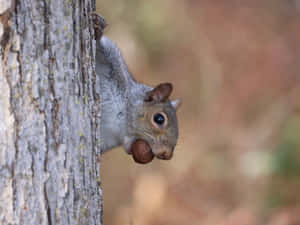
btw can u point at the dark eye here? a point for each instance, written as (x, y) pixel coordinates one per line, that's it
(159, 119)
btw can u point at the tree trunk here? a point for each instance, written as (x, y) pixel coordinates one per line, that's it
(49, 114)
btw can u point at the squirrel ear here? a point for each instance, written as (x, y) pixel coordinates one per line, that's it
(176, 103)
(160, 93)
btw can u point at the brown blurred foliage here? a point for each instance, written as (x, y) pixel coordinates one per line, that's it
(235, 64)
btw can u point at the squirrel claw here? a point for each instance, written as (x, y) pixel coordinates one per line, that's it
(99, 25)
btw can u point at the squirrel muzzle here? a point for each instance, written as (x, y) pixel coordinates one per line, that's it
(163, 152)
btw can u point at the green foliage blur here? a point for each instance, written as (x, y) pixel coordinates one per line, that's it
(287, 154)
(235, 65)
(286, 167)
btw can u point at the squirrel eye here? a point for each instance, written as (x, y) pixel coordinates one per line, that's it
(159, 120)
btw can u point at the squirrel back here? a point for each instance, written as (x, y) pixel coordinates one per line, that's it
(130, 110)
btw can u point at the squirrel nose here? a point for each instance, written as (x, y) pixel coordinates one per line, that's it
(164, 152)
(165, 155)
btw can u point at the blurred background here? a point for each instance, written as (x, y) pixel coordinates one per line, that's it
(235, 65)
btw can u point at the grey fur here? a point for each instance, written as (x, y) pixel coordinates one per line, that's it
(122, 103)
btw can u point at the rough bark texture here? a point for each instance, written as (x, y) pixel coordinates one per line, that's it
(49, 114)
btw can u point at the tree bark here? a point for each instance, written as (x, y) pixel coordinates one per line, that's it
(49, 114)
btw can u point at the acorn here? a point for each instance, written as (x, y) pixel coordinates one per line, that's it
(141, 152)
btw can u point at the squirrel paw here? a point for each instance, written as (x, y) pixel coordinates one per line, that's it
(99, 25)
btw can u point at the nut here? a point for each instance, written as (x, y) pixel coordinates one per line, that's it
(141, 152)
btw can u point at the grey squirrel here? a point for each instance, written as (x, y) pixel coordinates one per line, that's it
(130, 110)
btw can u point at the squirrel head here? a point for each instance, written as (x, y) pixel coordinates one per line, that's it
(156, 121)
